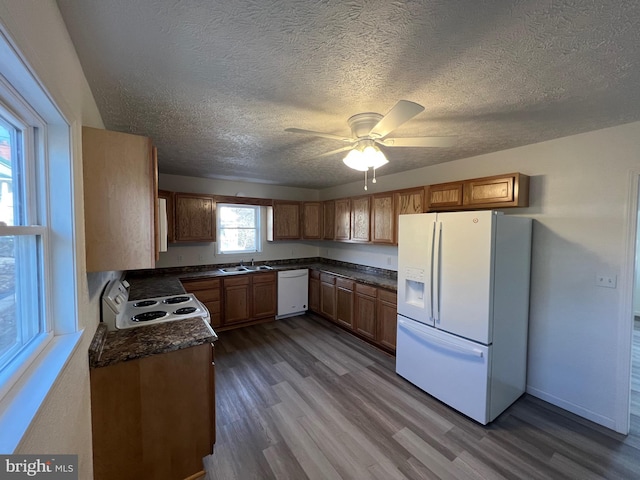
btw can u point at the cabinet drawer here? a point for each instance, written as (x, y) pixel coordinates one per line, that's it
(366, 290)
(327, 278)
(264, 277)
(344, 283)
(314, 274)
(388, 296)
(239, 280)
(206, 295)
(200, 284)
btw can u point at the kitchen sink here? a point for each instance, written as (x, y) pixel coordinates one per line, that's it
(245, 268)
(239, 268)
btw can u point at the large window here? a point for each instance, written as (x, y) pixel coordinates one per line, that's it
(238, 228)
(21, 240)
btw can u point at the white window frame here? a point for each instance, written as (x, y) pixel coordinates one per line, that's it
(34, 372)
(257, 227)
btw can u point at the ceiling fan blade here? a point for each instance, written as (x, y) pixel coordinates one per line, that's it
(418, 141)
(319, 134)
(332, 152)
(401, 112)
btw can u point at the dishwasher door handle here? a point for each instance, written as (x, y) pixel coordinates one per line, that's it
(292, 275)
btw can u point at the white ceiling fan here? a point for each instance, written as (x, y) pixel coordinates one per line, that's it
(370, 130)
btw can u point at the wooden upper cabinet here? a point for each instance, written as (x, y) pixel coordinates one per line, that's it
(329, 220)
(361, 219)
(383, 218)
(312, 219)
(410, 200)
(511, 190)
(169, 197)
(195, 219)
(444, 196)
(119, 200)
(285, 221)
(343, 219)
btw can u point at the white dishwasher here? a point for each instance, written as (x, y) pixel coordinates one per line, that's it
(293, 292)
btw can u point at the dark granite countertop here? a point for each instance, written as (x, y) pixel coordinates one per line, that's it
(109, 348)
(150, 283)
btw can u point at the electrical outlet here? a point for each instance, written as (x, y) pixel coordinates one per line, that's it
(388, 260)
(608, 281)
(179, 258)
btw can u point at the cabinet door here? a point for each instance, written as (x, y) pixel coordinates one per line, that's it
(387, 316)
(383, 228)
(314, 291)
(511, 190)
(194, 218)
(119, 200)
(286, 220)
(328, 296)
(169, 197)
(406, 202)
(361, 219)
(329, 220)
(365, 311)
(343, 219)
(344, 302)
(207, 290)
(444, 196)
(236, 300)
(264, 295)
(312, 220)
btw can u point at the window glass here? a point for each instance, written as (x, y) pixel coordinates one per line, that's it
(238, 228)
(21, 319)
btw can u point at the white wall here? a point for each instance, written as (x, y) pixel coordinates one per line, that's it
(205, 253)
(580, 191)
(63, 424)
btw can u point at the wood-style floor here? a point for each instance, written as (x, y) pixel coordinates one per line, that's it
(299, 398)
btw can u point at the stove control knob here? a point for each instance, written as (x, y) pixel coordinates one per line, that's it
(118, 299)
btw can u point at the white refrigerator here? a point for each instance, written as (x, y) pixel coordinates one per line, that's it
(463, 308)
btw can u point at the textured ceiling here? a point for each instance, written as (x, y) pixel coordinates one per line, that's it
(215, 83)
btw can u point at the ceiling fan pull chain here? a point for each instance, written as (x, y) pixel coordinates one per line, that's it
(374, 176)
(365, 179)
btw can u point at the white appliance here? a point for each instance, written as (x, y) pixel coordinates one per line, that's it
(463, 308)
(120, 313)
(293, 292)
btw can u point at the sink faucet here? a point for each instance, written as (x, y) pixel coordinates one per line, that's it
(242, 263)
(252, 263)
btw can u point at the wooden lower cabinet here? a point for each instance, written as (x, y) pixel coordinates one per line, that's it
(154, 417)
(365, 311)
(264, 295)
(314, 291)
(387, 317)
(328, 296)
(344, 302)
(236, 299)
(208, 291)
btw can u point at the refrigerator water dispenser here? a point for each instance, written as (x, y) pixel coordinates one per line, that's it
(414, 287)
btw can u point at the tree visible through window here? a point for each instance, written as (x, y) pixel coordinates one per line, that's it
(238, 228)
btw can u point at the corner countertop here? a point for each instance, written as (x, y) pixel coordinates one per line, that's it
(108, 348)
(148, 283)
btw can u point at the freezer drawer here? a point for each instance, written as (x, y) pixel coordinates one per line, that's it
(454, 370)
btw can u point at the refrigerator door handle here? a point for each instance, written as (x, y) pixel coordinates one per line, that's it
(435, 273)
(474, 352)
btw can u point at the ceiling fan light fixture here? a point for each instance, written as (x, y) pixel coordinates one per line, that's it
(362, 159)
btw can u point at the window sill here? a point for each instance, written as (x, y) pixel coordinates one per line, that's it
(21, 404)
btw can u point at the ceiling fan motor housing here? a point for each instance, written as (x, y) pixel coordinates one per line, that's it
(362, 123)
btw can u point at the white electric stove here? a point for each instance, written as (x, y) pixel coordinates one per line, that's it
(120, 313)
